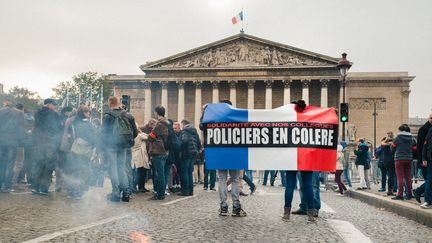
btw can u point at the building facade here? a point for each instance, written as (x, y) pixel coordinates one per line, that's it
(260, 74)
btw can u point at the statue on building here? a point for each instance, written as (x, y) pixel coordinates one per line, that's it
(352, 133)
(243, 53)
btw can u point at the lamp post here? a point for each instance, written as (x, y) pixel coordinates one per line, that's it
(344, 65)
(375, 114)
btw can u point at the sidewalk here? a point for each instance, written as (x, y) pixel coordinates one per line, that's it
(407, 208)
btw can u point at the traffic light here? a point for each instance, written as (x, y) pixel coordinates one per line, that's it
(344, 112)
(126, 102)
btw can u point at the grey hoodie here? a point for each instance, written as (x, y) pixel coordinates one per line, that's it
(403, 146)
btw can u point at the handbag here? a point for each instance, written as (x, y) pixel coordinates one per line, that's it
(82, 147)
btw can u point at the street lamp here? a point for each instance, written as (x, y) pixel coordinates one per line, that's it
(375, 114)
(343, 65)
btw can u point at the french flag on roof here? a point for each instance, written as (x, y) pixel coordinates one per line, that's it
(277, 139)
(237, 18)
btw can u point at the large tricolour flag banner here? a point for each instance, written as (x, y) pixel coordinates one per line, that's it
(237, 18)
(277, 139)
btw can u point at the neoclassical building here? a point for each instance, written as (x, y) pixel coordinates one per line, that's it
(255, 73)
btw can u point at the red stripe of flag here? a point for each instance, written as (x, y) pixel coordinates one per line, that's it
(314, 159)
(234, 20)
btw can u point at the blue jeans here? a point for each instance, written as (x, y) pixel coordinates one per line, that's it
(119, 178)
(315, 192)
(159, 182)
(291, 181)
(347, 177)
(283, 177)
(249, 173)
(7, 161)
(186, 176)
(212, 174)
(266, 173)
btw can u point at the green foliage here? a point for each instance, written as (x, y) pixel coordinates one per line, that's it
(31, 100)
(84, 89)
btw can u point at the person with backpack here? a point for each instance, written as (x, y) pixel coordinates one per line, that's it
(159, 147)
(427, 162)
(172, 145)
(11, 124)
(189, 149)
(118, 132)
(421, 140)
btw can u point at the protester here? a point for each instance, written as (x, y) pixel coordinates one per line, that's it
(11, 124)
(198, 171)
(47, 135)
(339, 169)
(346, 164)
(306, 191)
(223, 189)
(380, 156)
(82, 151)
(389, 163)
(26, 141)
(118, 134)
(361, 162)
(65, 113)
(421, 139)
(427, 162)
(403, 155)
(98, 167)
(189, 149)
(140, 161)
(158, 138)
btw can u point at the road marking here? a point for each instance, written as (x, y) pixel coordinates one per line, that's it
(348, 232)
(20, 193)
(178, 200)
(51, 236)
(326, 208)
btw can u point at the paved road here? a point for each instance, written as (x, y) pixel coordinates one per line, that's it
(55, 218)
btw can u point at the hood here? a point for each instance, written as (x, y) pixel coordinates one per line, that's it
(190, 129)
(405, 136)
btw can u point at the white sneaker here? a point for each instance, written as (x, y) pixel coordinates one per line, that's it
(426, 205)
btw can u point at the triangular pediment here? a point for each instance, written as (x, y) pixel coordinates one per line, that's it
(242, 50)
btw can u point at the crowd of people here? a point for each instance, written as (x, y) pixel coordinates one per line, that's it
(81, 149)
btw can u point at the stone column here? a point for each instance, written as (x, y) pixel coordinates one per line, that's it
(324, 92)
(198, 100)
(181, 101)
(251, 92)
(215, 93)
(233, 92)
(268, 94)
(147, 102)
(305, 92)
(164, 98)
(405, 104)
(287, 91)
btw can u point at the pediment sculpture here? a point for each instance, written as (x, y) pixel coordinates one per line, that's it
(244, 53)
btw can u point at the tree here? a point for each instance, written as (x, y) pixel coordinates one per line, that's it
(85, 88)
(31, 100)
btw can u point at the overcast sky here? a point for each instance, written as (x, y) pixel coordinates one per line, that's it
(46, 41)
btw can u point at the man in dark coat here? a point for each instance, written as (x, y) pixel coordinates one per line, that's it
(11, 126)
(47, 136)
(189, 149)
(421, 139)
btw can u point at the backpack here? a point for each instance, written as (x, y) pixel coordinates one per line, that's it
(122, 132)
(172, 142)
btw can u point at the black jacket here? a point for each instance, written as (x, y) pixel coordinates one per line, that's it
(362, 154)
(190, 142)
(85, 130)
(11, 125)
(421, 137)
(48, 127)
(427, 147)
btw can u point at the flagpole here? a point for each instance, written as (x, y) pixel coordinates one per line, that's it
(102, 103)
(242, 17)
